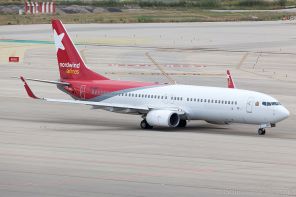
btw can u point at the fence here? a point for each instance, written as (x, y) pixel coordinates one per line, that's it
(40, 7)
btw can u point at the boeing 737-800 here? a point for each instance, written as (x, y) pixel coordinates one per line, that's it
(162, 105)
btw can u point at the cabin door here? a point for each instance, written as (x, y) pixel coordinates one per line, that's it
(82, 91)
(250, 104)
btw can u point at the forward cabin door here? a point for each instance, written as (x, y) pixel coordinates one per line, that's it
(250, 104)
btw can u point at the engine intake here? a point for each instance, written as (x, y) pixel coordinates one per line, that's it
(163, 118)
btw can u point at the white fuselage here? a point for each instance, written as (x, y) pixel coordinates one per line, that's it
(212, 104)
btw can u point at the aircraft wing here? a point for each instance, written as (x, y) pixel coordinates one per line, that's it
(104, 105)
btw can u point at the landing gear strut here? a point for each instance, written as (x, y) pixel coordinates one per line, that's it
(261, 131)
(182, 123)
(144, 125)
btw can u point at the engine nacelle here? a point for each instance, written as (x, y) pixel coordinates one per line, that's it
(163, 118)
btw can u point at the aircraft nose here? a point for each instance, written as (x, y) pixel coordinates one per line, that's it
(283, 113)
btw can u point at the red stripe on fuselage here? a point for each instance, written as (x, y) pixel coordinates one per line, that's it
(91, 89)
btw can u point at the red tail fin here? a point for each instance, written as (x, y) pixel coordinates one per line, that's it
(71, 65)
(229, 80)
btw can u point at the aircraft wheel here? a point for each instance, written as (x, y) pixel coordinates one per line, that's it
(261, 131)
(182, 123)
(144, 125)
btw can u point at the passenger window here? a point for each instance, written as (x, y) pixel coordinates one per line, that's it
(268, 104)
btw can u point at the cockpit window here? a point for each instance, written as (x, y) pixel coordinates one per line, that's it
(270, 103)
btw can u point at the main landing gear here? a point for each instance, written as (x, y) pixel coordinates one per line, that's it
(261, 131)
(182, 123)
(144, 125)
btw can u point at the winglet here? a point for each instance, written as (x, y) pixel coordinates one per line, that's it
(230, 81)
(28, 89)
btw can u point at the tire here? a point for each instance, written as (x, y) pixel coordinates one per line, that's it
(144, 125)
(261, 131)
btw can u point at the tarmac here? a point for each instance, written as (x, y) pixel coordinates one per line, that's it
(50, 149)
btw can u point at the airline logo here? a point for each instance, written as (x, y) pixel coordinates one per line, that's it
(71, 68)
(58, 40)
(69, 65)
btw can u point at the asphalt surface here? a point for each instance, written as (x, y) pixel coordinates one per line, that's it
(49, 149)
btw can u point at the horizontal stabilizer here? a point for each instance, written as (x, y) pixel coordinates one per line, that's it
(43, 81)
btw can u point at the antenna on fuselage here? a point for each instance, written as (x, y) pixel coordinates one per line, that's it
(170, 79)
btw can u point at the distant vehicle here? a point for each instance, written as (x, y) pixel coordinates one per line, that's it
(160, 105)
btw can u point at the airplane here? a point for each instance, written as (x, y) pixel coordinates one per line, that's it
(160, 105)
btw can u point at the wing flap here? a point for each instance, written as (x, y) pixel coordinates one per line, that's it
(97, 104)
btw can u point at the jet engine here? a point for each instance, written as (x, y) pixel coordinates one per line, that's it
(163, 118)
